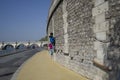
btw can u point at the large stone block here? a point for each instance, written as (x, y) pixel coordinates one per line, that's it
(98, 45)
(100, 18)
(100, 9)
(100, 27)
(98, 2)
(101, 36)
(100, 55)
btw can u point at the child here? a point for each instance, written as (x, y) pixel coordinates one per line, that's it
(50, 47)
(52, 41)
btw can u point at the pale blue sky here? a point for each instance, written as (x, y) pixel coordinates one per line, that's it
(23, 20)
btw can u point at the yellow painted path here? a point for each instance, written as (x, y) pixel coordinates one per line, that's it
(42, 67)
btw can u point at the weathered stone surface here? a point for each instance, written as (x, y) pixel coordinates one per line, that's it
(86, 30)
(100, 18)
(101, 35)
(101, 27)
(100, 8)
(98, 2)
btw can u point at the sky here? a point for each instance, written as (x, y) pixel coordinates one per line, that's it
(23, 20)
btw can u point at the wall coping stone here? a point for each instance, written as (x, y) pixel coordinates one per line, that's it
(52, 9)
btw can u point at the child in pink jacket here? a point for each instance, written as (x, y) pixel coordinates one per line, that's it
(50, 47)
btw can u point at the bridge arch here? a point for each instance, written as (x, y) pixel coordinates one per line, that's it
(21, 46)
(8, 47)
(33, 46)
(16, 44)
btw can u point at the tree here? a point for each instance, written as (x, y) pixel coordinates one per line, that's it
(44, 38)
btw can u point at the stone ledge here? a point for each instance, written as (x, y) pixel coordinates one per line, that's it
(100, 65)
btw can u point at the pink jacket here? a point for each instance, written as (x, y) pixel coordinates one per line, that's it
(50, 46)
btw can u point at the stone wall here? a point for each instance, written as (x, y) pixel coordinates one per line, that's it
(113, 16)
(87, 36)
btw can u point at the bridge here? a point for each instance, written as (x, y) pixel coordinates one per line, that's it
(19, 45)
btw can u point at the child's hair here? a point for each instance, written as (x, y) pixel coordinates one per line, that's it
(51, 34)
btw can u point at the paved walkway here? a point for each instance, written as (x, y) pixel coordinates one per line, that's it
(42, 67)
